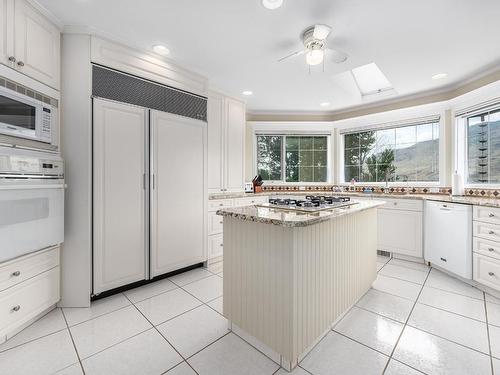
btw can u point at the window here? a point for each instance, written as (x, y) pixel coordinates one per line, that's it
(407, 153)
(292, 158)
(483, 148)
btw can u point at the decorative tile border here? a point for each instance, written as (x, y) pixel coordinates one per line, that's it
(489, 193)
(358, 189)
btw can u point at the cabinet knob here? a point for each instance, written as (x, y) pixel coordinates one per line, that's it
(491, 232)
(395, 203)
(16, 273)
(220, 222)
(491, 214)
(491, 249)
(221, 245)
(491, 274)
(16, 308)
(221, 204)
(20, 63)
(12, 59)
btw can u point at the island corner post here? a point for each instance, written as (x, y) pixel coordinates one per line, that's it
(286, 285)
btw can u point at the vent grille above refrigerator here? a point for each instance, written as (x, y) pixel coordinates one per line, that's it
(110, 84)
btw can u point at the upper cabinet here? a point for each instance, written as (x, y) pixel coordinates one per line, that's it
(226, 137)
(29, 42)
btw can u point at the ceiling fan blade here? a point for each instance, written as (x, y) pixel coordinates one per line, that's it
(337, 56)
(321, 32)
(297, 53)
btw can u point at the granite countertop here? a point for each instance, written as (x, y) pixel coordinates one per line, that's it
(287, 218)
(477, 201)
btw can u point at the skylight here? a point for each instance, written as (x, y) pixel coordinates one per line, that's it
(370, 79)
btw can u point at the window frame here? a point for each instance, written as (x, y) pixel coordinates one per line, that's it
(439, 119)
(283, 181)
(461, 149)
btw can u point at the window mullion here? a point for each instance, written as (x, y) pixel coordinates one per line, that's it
(283, 159)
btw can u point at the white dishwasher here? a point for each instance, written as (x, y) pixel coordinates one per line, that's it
(448, 237)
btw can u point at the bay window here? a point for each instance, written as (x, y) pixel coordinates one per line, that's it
(396, 154)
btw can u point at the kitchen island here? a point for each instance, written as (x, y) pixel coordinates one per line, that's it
(290, 275)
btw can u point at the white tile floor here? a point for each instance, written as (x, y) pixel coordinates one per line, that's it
(415, 320)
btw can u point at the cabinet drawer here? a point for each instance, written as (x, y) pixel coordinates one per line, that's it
(214, 223)
(240, 202)
(402, 204)
(215, 204)
(487, 231)
(27, 299)
(18, 270)
(486, 214)
(215, 246)
(487, 271)
(485, 247)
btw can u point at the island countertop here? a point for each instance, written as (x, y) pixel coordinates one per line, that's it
(289, 218)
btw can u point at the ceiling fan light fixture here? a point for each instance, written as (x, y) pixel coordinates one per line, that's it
(272, 4)
(315, 56)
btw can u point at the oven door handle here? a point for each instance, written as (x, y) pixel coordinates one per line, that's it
(33, 187)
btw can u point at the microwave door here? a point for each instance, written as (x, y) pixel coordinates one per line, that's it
(17, 118)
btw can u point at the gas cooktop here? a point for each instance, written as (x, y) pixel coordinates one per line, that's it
(311, 203)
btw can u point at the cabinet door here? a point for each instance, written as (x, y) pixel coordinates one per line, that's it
(119, 195)
(400, 232)
(6, 31)
(178, 204)
(215, 141)
(37, 45)
(235, 147)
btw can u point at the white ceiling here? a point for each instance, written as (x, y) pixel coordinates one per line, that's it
(236, 43)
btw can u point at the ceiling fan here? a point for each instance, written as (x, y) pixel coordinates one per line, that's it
(314, 39)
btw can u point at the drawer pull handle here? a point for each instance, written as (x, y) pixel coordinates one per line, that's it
(491, 215)
(16, 273)
(395, 203)
(491, 249)
(491, 232)
(491, 274)
(16, 308)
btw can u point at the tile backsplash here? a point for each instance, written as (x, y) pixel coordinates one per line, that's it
(359, 189)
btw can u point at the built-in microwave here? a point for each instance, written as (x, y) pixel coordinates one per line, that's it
(25, 117)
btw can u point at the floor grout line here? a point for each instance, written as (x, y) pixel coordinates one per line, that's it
(488, 333)
(406, 322)
(157, 330)
(73, 341)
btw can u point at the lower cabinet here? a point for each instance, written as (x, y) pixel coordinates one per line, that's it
(28, 287)
(400, 225)
(215, 222)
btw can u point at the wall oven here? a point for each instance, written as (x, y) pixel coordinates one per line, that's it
(25, 114)
(31, 201)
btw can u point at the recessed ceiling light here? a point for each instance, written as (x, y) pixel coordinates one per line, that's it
(324, 104)
(161, 49)
(272, 4)
(247, 92)
(440, 76)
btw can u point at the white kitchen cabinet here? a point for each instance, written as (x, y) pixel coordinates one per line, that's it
(226, 134)
(486, 246)
(400, 230)
(37, 45)
(29, 42)
(119, 194)
(234, 145)
(178, 195)
(29, 287)
(6, 31)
